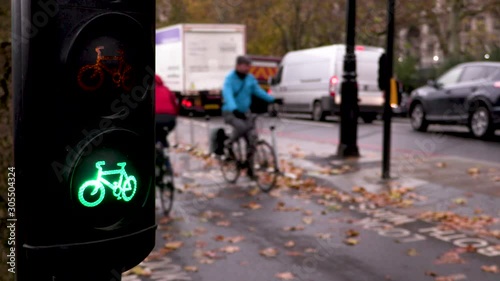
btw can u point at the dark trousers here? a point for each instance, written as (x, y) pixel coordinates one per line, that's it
(165, 124)
(242, 129)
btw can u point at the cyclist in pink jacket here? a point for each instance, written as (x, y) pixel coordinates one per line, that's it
(166, 109)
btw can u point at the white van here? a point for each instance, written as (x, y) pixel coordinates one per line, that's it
(309, 81)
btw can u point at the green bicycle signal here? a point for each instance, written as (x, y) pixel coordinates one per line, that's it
(124, 188)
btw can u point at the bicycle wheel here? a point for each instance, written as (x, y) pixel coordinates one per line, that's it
(96, 193)
(129, 188)
(265, 166)
(229, 163)
(164, 182)
(90, 77)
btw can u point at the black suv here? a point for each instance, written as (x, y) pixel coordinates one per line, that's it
(468, 94)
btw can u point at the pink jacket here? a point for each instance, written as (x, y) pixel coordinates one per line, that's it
(166, 102)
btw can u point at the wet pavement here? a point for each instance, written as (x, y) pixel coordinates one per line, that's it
(330, 219)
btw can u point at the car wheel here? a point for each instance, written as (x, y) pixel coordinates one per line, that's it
(480, 123)
(417, 116)
(318, 114)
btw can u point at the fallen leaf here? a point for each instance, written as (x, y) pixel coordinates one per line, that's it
(352, 233)
(308, 212)
(358, 189)
(210, 195)
(289, 244)
(210, 254)
(235, 239)
(293, 228)
(219, 238)
(174, 245)
(285, 276)
(490, 268)
(351, 241)
(430, 273)
(223, 223)
(451, 257)
(324, 236)
(470, 249)
(165, 220)
(200, 230)
(230, 249)
(168, 236)
(294, 254)
(200, 244)
(187, 234)
(310, 250)
(252, 206)
(308, 220)
(191, 268)
(268, 252)
(334, 207)
(441, 164)
(139, 271)
(207, 261)
(460, 201)
(237, 214)
(254, 191)
(412, 252)
(473, 171)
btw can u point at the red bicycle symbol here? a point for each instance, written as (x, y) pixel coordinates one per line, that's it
(91, 76)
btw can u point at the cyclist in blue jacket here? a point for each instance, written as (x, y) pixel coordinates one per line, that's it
(239, 86)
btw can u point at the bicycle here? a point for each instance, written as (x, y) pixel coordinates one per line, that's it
(119, 191)
(264, 162)
(164, 178)
(91, 76)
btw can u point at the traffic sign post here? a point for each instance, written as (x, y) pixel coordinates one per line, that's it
(84, 137)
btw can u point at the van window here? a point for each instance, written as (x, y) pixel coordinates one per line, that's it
(450, 77)
(277, 78)
(495, 74)
(473, 73)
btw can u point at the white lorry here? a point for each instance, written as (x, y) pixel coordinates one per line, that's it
(309, 81)
(194, 59)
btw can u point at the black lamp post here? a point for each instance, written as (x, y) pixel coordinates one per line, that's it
(349, 109)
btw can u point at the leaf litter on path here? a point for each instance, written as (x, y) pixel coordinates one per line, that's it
(285, 276)
(269, 252)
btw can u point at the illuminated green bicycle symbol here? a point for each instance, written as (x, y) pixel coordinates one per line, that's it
(124, 188)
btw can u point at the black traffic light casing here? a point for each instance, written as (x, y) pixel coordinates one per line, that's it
(84, 135)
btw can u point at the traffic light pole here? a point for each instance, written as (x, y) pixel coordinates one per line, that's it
(386, 165)
(348, 146)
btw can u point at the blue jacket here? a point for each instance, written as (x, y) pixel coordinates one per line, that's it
(243, 100)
